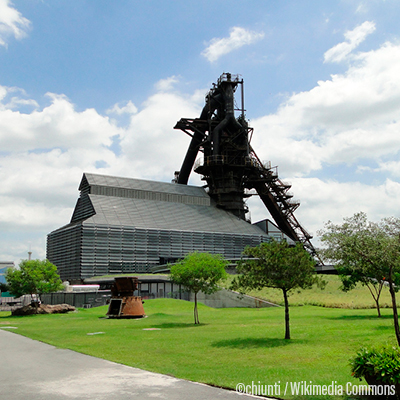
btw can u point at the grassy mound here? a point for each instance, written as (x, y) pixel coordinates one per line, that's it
(332, 296)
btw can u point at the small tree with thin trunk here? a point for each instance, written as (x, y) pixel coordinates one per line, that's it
(370, 251)
(33, 277)
(199, 272)
(388, 255)
(276, 265)
(352, 247)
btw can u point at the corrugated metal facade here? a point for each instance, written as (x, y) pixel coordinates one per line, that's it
(123, 225)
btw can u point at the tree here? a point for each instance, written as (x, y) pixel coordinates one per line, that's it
(33, 277)
(276, 265)
(388, 255)
(4, 287)
(369, 252)
(199, 272)
(352, 246)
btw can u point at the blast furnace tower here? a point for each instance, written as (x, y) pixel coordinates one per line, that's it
(230, 166)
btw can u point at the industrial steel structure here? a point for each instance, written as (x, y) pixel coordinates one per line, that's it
(123, 225)
(230, 165)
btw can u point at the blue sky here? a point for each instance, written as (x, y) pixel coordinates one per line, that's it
(96, 86)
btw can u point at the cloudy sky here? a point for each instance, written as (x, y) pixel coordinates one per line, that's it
(97, 86)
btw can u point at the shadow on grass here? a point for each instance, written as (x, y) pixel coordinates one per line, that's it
(18, 316)
(160, 314)
(384, 328)
(247, 343)
(360, 317)
(172, 325)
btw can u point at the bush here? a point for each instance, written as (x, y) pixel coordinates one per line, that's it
(4, 287)
(378, 366)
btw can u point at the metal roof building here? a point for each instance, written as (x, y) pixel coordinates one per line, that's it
(123, 225)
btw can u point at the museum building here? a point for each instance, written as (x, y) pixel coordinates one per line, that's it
(124, 225)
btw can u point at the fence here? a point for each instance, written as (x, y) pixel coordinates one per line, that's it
(101, 298)
(171, 295)
(82, 300)
(86, 299)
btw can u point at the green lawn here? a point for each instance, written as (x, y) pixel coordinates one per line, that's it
(228, 347)
(331, 296)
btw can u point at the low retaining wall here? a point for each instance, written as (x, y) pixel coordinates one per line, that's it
(228, 299)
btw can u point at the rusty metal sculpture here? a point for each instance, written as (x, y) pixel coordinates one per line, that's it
(123, 303)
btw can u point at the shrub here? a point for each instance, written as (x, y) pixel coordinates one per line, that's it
(378, 366)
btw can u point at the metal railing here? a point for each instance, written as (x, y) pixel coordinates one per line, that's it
(247, 161)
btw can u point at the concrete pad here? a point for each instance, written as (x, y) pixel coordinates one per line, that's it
(37, 371)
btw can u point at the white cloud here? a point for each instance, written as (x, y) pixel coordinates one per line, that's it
(57, 125)
(340, 52)
(12, 23)
(165, 85)
(128, 108)
(238, 37)
(341, 120)
(362, 8)
(391, 167)
(323, 200)
(150, 145)
(350, 117)
(17, 102)
(45, 152)
(8, 99)
(43, 155)
(19, 213)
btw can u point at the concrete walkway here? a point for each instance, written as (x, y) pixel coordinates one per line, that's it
(36, 371)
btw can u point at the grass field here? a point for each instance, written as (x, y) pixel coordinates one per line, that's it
(228, 347)
(331, 296)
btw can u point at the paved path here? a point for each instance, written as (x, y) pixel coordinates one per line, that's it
(36, 371)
